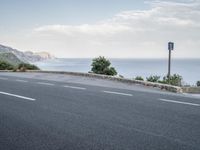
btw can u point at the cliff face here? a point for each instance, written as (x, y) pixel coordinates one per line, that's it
(26, 56)
(44, 55)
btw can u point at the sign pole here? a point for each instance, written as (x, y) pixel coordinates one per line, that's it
(169, 65)
(170, 48)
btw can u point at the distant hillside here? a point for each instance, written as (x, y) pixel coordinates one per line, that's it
(26, 56)
(10, 58)
(44, 55)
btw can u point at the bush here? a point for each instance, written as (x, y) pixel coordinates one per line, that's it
(175, 80)
(15, 69)
(26, 66)
(101, 65)
(139, 78)
(162, 81)
(153, 78)
(198, 83)
(110, 71)
(5, 66)
(121, 76)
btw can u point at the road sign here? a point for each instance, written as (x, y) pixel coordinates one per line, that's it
(170, 46)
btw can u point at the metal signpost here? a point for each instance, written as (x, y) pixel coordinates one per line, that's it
(170, 48)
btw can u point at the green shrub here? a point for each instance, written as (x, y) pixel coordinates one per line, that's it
(139, 78)
(110, 71)
(153, 78)
(121, 76)
(15, 69)
(5, 66)
(198, 83)
(101, 65)
(26, 66)
(175, 80)
(163, 82)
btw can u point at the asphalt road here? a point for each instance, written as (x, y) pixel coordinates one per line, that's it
(50, 115)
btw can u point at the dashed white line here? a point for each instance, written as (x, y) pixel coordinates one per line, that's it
(21, 81)
(75, 87)
(117, 93)
(44, 83)
(178, 102)
(18, 96)
(1, 78)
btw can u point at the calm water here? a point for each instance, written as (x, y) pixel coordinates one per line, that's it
(129, 68)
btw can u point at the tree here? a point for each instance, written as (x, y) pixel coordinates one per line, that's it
(101, 65)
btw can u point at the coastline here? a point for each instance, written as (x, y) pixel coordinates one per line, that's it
(130, 68)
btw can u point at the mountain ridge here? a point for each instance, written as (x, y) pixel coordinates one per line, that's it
(28, 56)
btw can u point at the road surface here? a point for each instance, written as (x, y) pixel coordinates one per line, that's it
(43, 114)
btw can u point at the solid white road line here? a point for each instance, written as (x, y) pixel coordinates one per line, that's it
(1, 78)
(178, 102)
(75, 87)
(18, 96)
(44, 83)
(21, 81)
(117, 93)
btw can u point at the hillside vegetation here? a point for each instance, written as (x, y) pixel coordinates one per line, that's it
(10, 58)
(6, 66)
(25, 66)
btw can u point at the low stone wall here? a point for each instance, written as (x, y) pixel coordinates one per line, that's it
(166, 87)
(6, 70)
(192, 90)
(123, 80)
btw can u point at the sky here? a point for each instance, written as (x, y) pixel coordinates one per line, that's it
(110, 28)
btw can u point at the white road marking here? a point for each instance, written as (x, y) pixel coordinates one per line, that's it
(178, 102)
(117, 93)
(1, 78)
(44, 83)
(18, 96)
(75, 87)
(21, 81)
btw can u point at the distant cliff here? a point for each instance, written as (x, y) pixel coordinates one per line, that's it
(27, 57)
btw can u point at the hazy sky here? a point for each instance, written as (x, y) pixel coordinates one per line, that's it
(112, 28)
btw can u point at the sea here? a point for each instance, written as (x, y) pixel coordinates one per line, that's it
(189, 69)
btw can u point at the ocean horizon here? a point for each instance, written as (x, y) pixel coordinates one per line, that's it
(130, 68)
